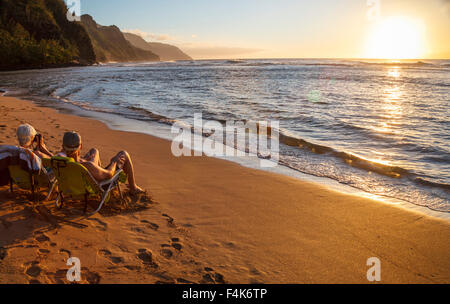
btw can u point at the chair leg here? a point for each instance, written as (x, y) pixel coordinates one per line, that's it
(104, 197)
(50, 192)
(11, 186)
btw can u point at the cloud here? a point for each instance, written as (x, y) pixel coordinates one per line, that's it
(149, 36)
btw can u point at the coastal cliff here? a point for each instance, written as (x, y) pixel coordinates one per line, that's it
(37, 34)
(110, 44)
(166, 52)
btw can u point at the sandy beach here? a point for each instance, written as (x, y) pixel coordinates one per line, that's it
(209, 221)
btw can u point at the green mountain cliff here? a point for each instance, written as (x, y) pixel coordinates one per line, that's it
(37, 34)
(110, 44)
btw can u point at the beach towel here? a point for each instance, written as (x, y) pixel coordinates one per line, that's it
(12, 155)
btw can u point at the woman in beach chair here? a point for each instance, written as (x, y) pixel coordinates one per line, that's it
(91, 179)
(27, 136)
(25, 168)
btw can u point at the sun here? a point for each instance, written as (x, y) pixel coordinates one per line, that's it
(396, 38)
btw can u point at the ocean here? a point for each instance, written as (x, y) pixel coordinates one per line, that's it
(382, 127)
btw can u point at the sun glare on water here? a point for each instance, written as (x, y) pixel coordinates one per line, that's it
(396, 38)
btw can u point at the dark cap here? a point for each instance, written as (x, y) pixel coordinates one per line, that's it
(71, 141)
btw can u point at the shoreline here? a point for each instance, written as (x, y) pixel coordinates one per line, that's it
(162, 131)
(246, 224)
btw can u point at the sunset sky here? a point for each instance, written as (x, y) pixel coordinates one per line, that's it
(286, 28)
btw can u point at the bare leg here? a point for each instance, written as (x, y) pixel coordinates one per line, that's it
(129, 170)
(93, 156)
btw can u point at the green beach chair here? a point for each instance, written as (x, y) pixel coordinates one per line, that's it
(32, 181)
(76, 182)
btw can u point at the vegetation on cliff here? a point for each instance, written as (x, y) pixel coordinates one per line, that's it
(110, 44)
(37, 34)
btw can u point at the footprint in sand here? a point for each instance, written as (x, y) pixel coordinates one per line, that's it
(146, 256)
(62, 250)
(216, 278)
(104, 252)
(176, 243)
(41, 238)
(116, 260)
(43, 251)
(34, 281)
(170, 220)
(167, 253)
(34, 270)
(219, 278)
(91, 277)
(137, 229)
(102, 225)
(59, 277)
(213, 277)
(207, 278)
(177, 246)
(184, 281)
(150, 225)
(132, 267)
(107, 254)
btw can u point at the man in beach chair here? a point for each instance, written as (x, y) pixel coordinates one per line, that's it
(72, 146)
(84, 177)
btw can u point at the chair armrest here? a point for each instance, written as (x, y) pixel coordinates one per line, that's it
(111, 180)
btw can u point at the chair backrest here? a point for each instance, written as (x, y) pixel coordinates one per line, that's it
(24, 167)
(73, 178)
(21, 177)
(24, 178)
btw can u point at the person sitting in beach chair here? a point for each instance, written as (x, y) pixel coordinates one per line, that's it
(72, 146)
(27, 136)
(24, 166)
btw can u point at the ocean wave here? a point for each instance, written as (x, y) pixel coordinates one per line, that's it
(428, 183)
(65, 92)
(349, 158)
(152, 116)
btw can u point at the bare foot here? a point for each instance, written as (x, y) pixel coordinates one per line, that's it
(137, 190)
